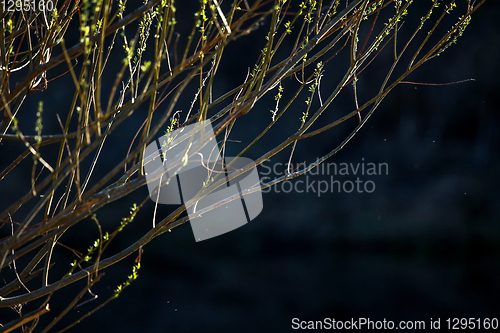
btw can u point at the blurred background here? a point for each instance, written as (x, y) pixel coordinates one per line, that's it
(425, 243)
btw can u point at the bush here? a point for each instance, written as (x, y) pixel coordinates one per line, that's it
(139, 64)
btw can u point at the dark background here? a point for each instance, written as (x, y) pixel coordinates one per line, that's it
(425, 244)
